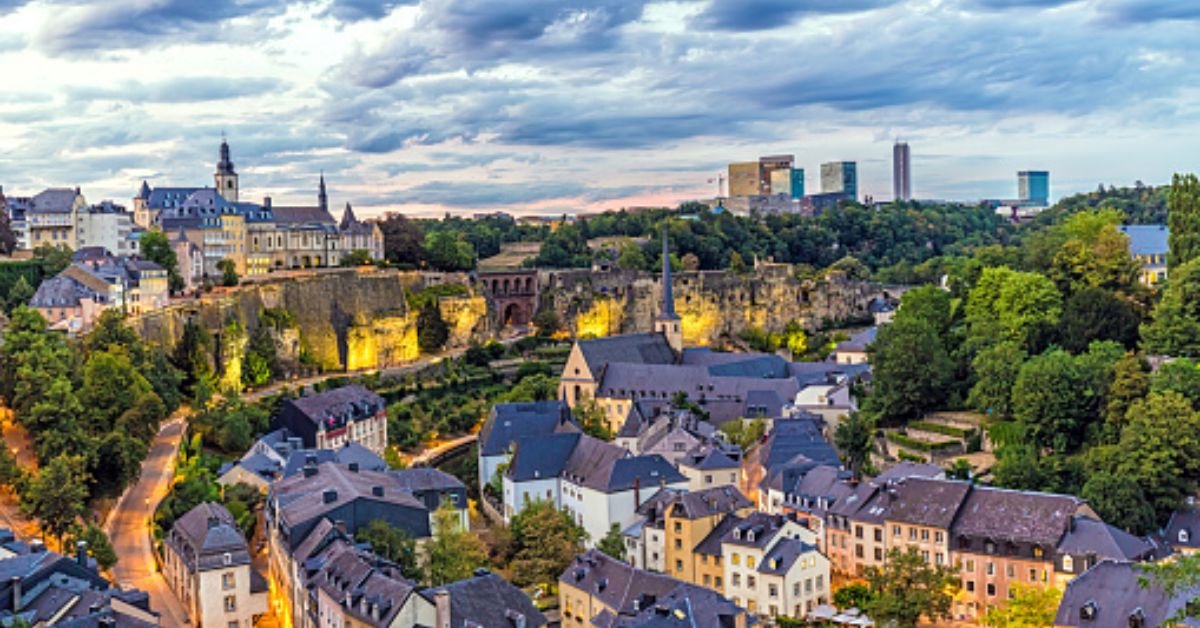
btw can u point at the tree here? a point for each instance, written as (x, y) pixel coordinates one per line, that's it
(1050, 397)
(1028, 606)
(961, 469)
(57, 495)
(432, 331)
(111, 386)
(155, 247)
(229, 274)
(1160, 450)
(853, 438)
(119, 458)
(744, 433)
(690, 262)
(448, 252)
(631, 257)
(8, 237)
(262, 359)
(454, 553)
(391, 543)
(1009, 305)
(912, 370)
(1095, 254)
(1174, 326)
(20, 293)
(53, 259)
(996, 369)
(194, 355)
(98, 546)
(736, 264)
(545, 541)
(852, 268)
(1175, 577)
(1018, 467)
(592, 418)
(1183, 219)
(907, 588)
(547, 323)
(1181, 376)
(1119, 499)
(852, 596)
(356, 257)
(1096, 314)
(1130, 382)
(403, 240)
(613, 543)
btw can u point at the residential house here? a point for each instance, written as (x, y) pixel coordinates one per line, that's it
(597, 590)
(351, 587)
(51, 216)
(1148, 244)
(331, 419)
(483, 600)
(1183, 529)
(854, 350)
(506, 422)
(688, 520)
(105, 225)
(788, 442)
(1111, 593)
(709, 466)
(597, 483)
(278, 454)
(920, 515)
(773, 567)
(206, 561)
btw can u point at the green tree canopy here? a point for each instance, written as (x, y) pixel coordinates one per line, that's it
(1051, 398)
(996, 370)
(393, 544)
(1174, 326)
(912, 370)
(57, 495)
(545, 541)
(854, 439)
(155, 247)
(908, 588)
(454, 553)
(1183, 218)
(432, 331)
(1028, 606)
(613, 542)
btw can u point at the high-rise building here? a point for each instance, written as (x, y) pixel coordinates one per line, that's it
(743, 179)
(788, 182)
(901, 172)
(840, 177)
(1033, 187)
(758, 178)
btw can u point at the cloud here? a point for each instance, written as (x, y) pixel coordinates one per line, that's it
(492, 23)
(757, 15)
(180, 90)
(1130, 11)
(131, 24)
(356, 10)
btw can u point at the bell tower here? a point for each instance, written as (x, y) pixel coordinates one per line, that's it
(226, 178)
(668, 323)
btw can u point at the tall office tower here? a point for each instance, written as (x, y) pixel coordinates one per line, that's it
(901, 172)
(840, 177)
(1033, 187)
(768, 166)
(743, 179)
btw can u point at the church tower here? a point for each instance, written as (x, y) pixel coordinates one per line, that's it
(667, 322)
(322, 198)
(226, 177)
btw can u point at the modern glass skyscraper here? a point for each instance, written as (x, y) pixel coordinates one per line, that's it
(901, 172)
(1033, 187)
(840, 177)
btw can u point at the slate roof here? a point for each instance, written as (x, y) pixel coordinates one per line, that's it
(711, 544)
(779, 560)
(302, 215)
(709, 501)
(688, 606)
(419, 479)
(860, 341)
(1113, 590)
(363, 584)
(760, 366)
(616, 584)
(347, 401)
(708, 458)
(650, 348)
(807, 373)
(349, 453)
(168, 198)
(759, 525)
(509, 421)
(1006, 515)
(1185, 520)
(54, 201)
(204, 534)
(488, 600)
(1091, 536)
(259, 464)
(789, 437)
(1147, 239)
(302, 498)
(765, 403)
(61, 291)
(931, 503)
(541, 457)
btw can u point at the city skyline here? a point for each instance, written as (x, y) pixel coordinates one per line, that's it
(545, 107)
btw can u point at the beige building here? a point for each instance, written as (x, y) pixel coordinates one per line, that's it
(773, 567)
(206, 562)
(52, 216)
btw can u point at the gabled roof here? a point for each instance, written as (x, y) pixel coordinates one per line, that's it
(509, 421)
(347, 401)
(420, 479)
(616, 584)
(1112, 591)
(1186, 520)
(756, 530)
(488, 600)
(168, 198)
(709, 501)
(708, 458)
(1088, 536)
(650, 348)
(210, 532)
(304, 498)
(302, 215)
(54, 201)
(860, 341)
(541, 457)
(784, 554)
(61, 291)
(789, 437)
(593, 464)
(926, 502)
(710, 545)
(1147, 239)
(687, 606)
(1016, 516)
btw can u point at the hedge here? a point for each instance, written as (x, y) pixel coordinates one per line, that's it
(919, 445)
(939, 428)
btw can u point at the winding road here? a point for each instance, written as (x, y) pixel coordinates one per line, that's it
(128, 525)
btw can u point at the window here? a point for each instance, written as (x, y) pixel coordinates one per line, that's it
(858, 551)
(735, 559)
(678, 527)
(1011, 572)
(858, 532)
(878, 535)
(912, 534)
(896, 531)
(991, 590)
(924, 535)
(230, 603)
(749, 582)
(970, 586)
(1038, 552)
(678, 565)
(227, 580)
(707, 579)
(991, 569)
(737, 580)
(820, 582)
(796, 589)
(939, 558)
(1068, 564)
(925, 556)
(717, 581)
(1183, 536)
(678, 544)
(879, 554)
(970, 565)
(233, 624)
(1033, 575)
(708, 479)
(773, 590)
(937, 536)
(989, 547)
(749, 561)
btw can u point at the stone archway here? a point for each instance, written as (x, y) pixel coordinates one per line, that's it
(514, 315)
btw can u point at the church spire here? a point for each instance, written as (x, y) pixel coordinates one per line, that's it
(667, 322)
(322, 198)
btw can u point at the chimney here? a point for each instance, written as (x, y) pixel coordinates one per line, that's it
(329, 496)
(81, 553)
(353, 467)
(15, 583)
(637, 492)
(309, 470)
(213, 522)
(441, 600)
(377, 491)
(267, 202)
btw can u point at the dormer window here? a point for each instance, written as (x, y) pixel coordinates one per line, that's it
(737, 534)
(1184, 537)
(1137, 619)
(1068, 564)
(1089, 611)
(1037, 551)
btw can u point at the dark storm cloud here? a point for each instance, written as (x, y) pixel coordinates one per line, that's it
(131, 24)
(756, 15)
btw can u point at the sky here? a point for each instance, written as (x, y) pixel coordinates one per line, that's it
(552, 106)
